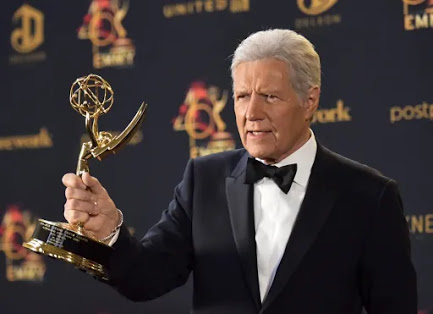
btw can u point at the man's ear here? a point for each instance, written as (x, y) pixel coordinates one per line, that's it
(312, 102)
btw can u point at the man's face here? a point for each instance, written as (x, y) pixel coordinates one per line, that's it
(270, 117)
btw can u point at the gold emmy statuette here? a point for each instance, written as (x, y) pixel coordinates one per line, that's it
(91, 96)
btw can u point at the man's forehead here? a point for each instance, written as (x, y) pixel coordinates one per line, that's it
(247, 74)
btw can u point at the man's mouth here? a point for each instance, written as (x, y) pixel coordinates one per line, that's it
(257, 133)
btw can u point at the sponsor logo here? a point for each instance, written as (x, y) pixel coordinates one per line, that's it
(315, 14)
(34, 141)
(27, 36)
(102, 25)
(406, 113)
(205, 6)
(315, 7)
(418, 14)
(200, 117)
(420, 224)
(338, 114)
(21, 264)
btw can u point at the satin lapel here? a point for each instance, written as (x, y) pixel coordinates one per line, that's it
(240, 204)
(317, 204)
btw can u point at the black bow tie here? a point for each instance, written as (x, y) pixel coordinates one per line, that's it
(282, 176)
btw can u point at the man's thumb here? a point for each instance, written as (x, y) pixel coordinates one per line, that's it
(93, 183)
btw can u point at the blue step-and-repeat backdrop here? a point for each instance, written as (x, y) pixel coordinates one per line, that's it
(376, 107)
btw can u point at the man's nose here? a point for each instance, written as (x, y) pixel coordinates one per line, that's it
(255, 108)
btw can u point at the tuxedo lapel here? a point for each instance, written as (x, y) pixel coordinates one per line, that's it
(318, 202)
(240, 205)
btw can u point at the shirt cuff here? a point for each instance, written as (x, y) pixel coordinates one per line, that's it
(114, 238)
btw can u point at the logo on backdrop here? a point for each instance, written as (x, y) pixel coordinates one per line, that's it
(21, 264)
(315, 11)
(27, 35)
(102, 25)
(339, 113)
(418, 14)
(420, 223)
(205, 6)
(200, 117)
(33, 141)
(410, 112)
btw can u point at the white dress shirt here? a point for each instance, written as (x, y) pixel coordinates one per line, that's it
(275, 213)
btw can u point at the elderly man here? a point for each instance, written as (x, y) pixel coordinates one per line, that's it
(281, 226)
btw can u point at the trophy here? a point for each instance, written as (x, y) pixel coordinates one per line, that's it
(92, 97)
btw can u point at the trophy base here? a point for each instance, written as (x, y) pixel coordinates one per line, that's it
(62, 241)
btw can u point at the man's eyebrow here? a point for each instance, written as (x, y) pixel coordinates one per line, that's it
(240, 90)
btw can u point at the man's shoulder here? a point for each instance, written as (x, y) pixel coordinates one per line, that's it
(226, 157)
(223, 162)
(350, 171)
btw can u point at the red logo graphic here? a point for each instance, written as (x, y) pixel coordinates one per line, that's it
(21, 264)
(102, 25)
(199, 116)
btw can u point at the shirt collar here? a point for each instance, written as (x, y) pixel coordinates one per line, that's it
(304, 158)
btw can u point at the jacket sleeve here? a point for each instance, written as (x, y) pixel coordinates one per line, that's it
(388, 277)
(162, 260)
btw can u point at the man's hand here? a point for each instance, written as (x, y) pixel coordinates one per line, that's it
(87, 202)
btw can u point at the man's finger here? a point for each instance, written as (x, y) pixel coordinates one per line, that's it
(75, 217)
(83, 195)
(73, 181)
(82, 206)
(93, 225)
(93, 184)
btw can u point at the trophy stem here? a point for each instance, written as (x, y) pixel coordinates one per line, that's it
(82, 165)
(92, 129)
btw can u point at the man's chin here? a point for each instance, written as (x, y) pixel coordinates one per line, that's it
(262, 153)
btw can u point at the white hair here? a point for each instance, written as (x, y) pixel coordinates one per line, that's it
(286, 45)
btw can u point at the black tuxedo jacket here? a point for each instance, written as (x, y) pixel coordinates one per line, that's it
(349, 247)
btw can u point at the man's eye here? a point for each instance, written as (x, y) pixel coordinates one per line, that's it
(241, 96)
(271, 97)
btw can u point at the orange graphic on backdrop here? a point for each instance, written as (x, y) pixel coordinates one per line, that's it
(200, 117)
(315, 7)
(21, 264)
(102, 25)
(418, 14)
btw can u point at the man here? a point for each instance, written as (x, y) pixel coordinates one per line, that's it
(282, 226)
